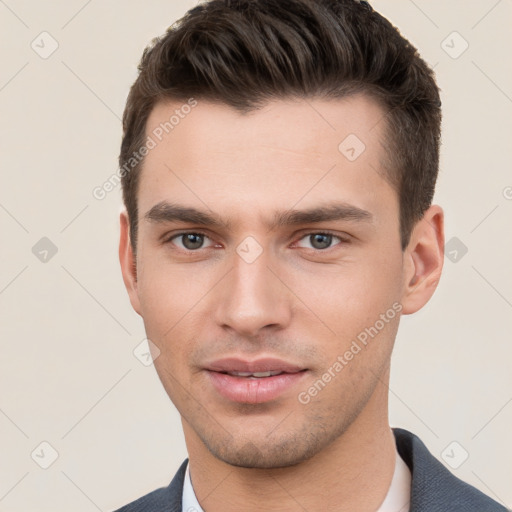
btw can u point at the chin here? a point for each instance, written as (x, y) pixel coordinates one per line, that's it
(269, 452)
(251, 457)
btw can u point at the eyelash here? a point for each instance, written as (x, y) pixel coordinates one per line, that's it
(343, 241)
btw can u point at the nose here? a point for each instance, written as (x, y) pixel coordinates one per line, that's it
(253, 298)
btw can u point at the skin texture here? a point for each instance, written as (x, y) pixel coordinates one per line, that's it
(295, 302)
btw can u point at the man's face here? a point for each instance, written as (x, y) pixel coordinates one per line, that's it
(264, 290)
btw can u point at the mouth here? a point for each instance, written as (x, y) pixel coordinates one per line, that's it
(255, 375)
(253, 382)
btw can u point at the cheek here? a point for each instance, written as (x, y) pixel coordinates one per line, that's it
(357, 302)
(351, 293)
(167, 292)
(173, 299)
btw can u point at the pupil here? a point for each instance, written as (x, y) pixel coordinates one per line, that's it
(192, 241)
(321, 241)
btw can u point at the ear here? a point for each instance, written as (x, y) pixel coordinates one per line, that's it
(423, 260)
(128, 262)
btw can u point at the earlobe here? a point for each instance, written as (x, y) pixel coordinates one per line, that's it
(128, 262)
(424, 259)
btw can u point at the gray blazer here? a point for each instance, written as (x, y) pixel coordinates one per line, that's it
(433, 488)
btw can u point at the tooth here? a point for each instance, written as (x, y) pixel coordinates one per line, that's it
(260, 375)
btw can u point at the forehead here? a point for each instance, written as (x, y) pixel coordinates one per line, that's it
(286, 152)
(299, 123)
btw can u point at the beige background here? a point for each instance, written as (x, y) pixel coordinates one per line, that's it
(68, 375)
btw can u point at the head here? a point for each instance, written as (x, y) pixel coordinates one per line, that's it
(296, 143)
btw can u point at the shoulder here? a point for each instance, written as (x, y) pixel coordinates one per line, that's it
(434, 488)
(165, 499)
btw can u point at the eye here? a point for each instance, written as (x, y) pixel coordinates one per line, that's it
(320, 240)
(189, 241)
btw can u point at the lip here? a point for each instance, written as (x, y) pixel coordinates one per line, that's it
(235, 364)
(253, 390)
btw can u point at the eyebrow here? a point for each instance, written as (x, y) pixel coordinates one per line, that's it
(164, 212)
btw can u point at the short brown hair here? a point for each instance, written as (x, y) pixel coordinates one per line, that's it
(243, 53)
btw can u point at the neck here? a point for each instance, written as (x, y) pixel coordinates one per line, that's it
(352, 473)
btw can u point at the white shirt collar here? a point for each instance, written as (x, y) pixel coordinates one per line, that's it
(189, 500)
(399, 494)
(397, 499)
